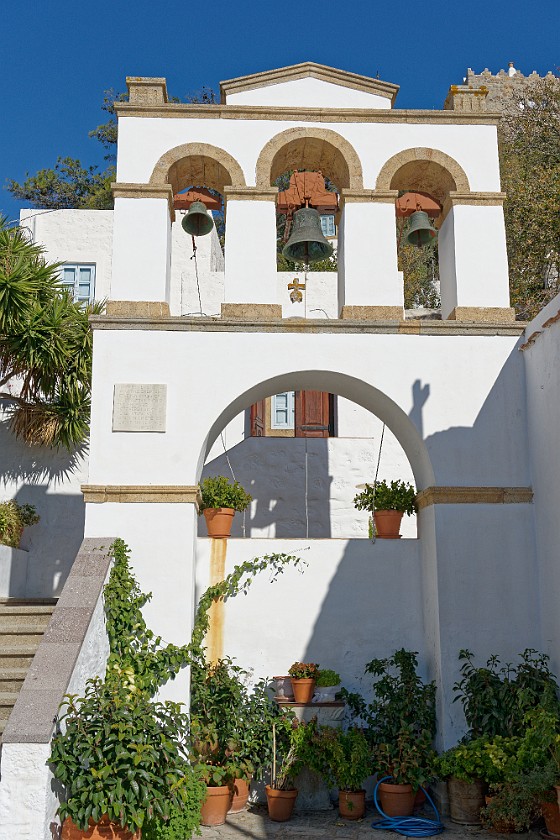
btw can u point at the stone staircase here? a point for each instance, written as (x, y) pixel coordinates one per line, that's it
(22, 624)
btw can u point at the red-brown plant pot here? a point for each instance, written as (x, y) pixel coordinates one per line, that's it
(396, 800)
(280, 803)
(103, 830)
(303, 690)
(214, 809)
(219, 521)
(352, 804)
(240, 795)
(388, 524)
(551, 814)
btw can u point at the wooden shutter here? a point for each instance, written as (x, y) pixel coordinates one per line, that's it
(314, 414)
(257, 419)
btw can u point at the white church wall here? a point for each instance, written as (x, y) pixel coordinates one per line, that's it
(542, 365)
(308, 93)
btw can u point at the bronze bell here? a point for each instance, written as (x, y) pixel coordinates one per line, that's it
(198, 221)
(420, 231)
(307, 243)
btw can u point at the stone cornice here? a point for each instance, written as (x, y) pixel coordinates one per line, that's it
(123, 190)
(474, 496)
(250, 193)
(410, 326)
(323, 115)
(308, 69)
(383, 196)
(165, 494)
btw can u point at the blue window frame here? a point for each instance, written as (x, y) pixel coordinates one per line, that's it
(282, 411)
(79, 279)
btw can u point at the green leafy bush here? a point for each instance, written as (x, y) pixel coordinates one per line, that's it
(350, 759)
(13, 519)
(398, 495)
(496, 698)
(484, 759)
(123, 755)
(217, 492)
(327, 678)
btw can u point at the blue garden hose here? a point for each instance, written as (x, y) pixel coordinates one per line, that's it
(408, 826)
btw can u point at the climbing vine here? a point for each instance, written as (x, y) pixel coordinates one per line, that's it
(140, 659)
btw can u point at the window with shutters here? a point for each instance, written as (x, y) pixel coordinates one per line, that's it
(294, 414)
(328, 226)
(282, 411)
(79, 279)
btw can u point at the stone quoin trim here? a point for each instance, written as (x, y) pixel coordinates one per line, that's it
(121, 190)
(165, 494)
(420, 156)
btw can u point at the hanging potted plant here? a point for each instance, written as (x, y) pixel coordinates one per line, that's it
(350, 763)
(303, 676)
(387, 503)
(219, 501)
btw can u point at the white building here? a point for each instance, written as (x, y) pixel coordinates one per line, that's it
(467, 418)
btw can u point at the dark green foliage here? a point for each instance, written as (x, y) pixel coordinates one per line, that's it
(180, 825)
(123, 755)
(496, 698)
(398, 495)
(46, 341)
(67, 185)
(400, 721)
(13, 518)
(217, 492)
(349, 759)
(515, 806)
(327, 677)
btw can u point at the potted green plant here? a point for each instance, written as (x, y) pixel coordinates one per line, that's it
(281, 793)
(350, 763)
(400, 724)
(327, 685)
(219, 500)
(387, 503)
(141, 771)
(13, 519)
(468, 768)
(303, 676)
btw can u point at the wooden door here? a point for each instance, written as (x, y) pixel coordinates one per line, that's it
(314, 414)
(257, 419)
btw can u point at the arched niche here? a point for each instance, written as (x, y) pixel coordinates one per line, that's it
(427, 170)
(343, 385)
(313, 149)
(198, 164)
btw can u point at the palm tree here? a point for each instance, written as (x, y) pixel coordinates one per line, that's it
(45, 347)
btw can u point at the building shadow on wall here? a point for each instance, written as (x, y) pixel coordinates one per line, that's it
(50, 480)
(290, 484)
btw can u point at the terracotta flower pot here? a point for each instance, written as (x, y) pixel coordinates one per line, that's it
(240, 795)
(465, 801)
(388, 523)
(280, 803)
(103, 830)
(551, 814)
(219, 521)
(214, 809)
(396, 800)
(303, 690)
(352, 804)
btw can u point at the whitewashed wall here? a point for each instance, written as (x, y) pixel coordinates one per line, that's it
(542, 365)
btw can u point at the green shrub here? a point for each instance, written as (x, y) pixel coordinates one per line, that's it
(13, 519)
(217, 492)
(327, 678)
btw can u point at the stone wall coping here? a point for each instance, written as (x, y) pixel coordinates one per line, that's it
(32, 718)
(474, 496)
(410, 326)
(179, 110)
(99, 493)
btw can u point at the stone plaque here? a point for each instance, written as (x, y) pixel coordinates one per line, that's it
(139, 408)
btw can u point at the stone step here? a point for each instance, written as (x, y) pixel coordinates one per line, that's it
(19, 623)
(11, 679)
(7, 702)
(13, 610)
(24, 638)
(16, 656)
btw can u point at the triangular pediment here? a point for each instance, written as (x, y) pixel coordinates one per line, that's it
(287, 86)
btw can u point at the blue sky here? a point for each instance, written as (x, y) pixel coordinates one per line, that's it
(59, 56)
